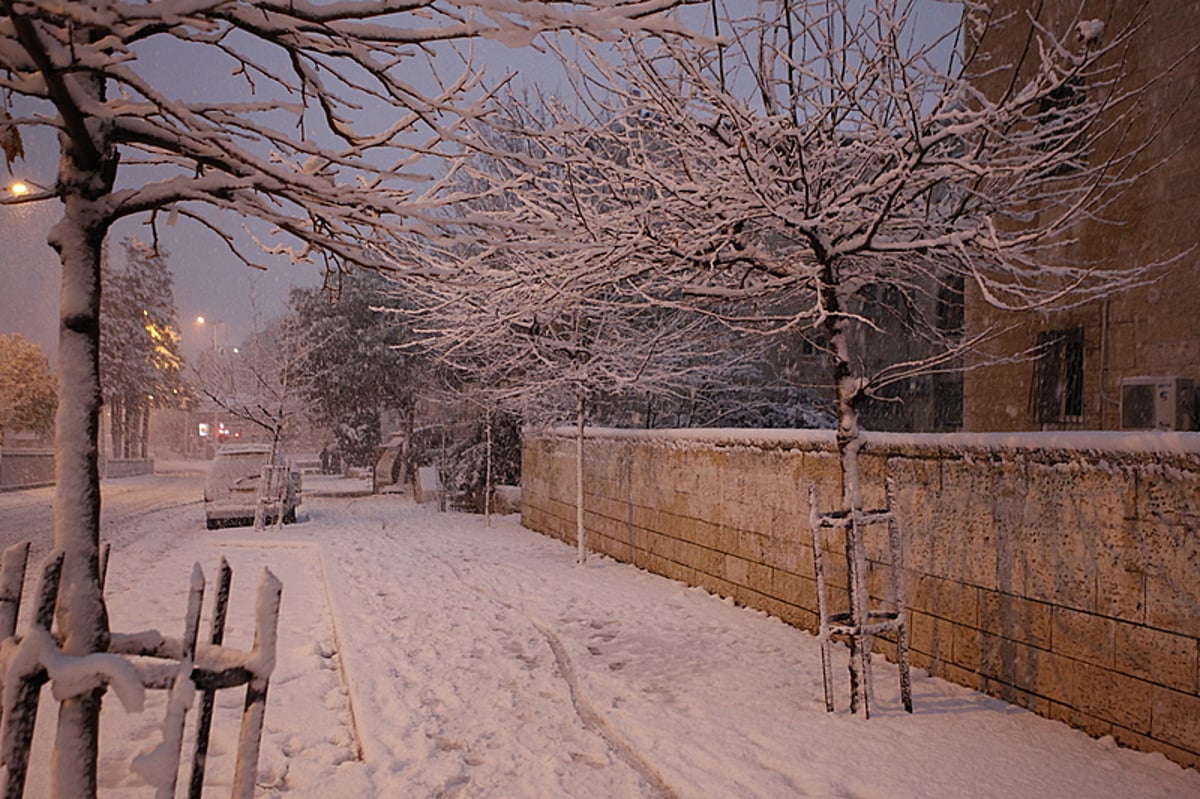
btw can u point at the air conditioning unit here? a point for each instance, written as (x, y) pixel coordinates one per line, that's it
(1158, 403)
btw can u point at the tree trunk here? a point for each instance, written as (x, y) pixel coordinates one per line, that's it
(116, 425)
(581, 554)
(87, 170)
(132, 424)
(144, 438)
(82, 616)
(487, 479)
(408, 471)
(849, 441)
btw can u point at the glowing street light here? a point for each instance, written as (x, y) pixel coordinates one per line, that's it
(22, 191)
(212, 325)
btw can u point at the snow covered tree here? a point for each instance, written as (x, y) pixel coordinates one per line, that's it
(831, 174)
(140, 363)
(28, 390)
(549, 330)
(256, 381)
(353, 366)
(289, 135)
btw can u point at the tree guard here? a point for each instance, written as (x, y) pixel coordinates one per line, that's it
(861, 623)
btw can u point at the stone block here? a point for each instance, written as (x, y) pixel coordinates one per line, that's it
(702, 559)
(1157, 656)
(1173, 599)
(794, 589)
(748, 597)
(760, 578)
(643, 539)
(1120, 585)
(967, 649)
(1156, 544)
(1074, 510)
(960, 676)
(789, 554)
(1015, 618)
(1034, 670)
(1176, 718)
(1016, 695)
(751, 545)
(948, 599)
(1114, 697)
(676, 502)
(880, 586)
(680, 572)
(872, 469)
(714, 585)
(1170, 494)
(1061, 580)
(737, 570)
(645, 518)
(1080, 720)
(703, 533)
(1082, 636)
(1144, 743)
(618, 550)
(824, 470)
(931, 635)
(914, 482)
(960, 541)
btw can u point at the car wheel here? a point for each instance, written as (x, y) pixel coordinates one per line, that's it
(213, 524)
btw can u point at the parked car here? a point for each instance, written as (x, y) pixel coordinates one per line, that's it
(231, 488)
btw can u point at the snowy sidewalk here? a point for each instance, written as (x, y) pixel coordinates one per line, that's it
(426, 655)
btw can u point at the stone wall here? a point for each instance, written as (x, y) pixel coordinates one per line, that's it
(125, 467)
(1058, 573)
(26, 468)
(30, 468)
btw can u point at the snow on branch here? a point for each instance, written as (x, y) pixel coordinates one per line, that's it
(307, 110)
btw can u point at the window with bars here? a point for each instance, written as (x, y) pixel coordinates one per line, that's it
(950, 306)
(1057, 396)
(1061, 117)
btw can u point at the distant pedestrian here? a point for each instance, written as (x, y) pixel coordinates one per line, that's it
(324, 460)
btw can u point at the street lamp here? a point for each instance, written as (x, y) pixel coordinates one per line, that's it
(212, 325)
(25, 191)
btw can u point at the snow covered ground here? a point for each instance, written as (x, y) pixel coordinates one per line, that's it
(424, 654)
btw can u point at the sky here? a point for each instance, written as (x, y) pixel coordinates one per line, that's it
(426, 654)
(209, 282)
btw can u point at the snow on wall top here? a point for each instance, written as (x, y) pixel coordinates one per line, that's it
(1133, 442)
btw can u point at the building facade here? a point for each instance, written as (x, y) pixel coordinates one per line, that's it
(1128, 361)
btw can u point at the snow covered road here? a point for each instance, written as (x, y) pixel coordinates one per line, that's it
(427, 655)
(28, 514)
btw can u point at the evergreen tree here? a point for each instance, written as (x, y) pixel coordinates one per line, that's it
(140, 362)
(355, 365)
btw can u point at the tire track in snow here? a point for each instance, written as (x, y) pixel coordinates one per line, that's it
(596, 723)
(591, 719)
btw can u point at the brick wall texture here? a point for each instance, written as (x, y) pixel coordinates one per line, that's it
(1065, 580)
